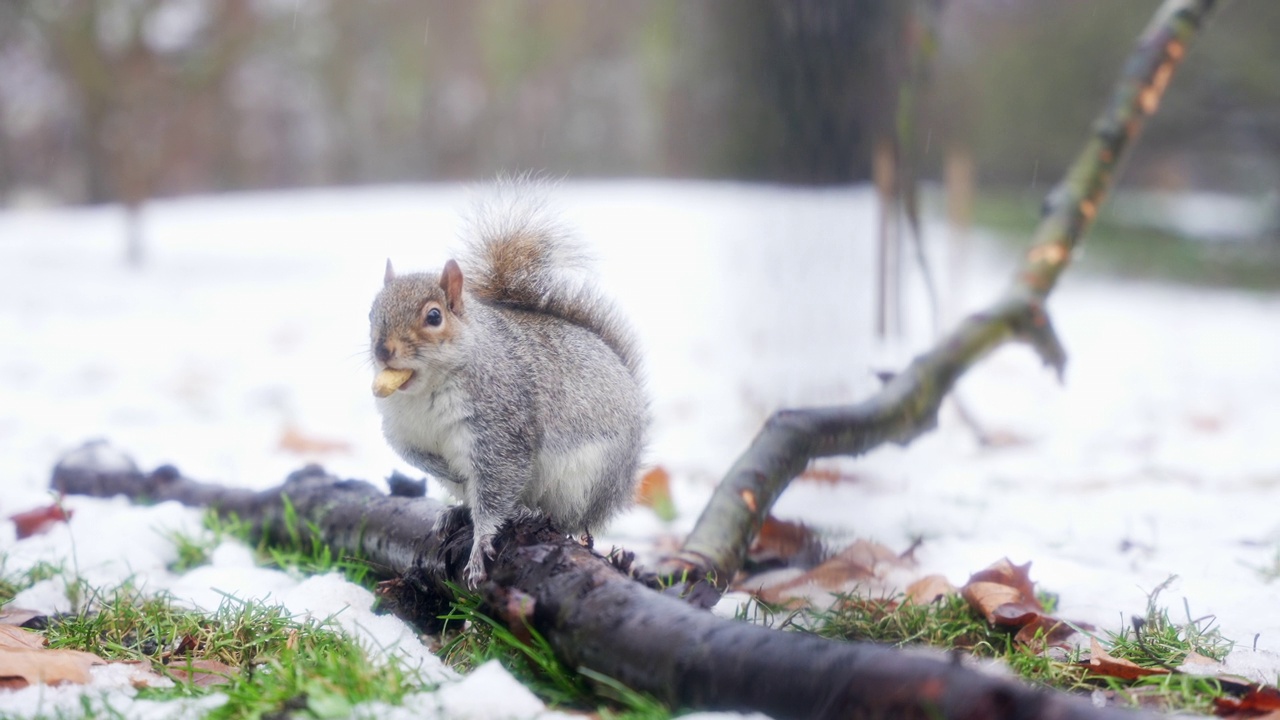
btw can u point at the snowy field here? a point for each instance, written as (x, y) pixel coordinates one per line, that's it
(248, 323)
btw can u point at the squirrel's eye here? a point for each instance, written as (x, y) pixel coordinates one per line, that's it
(434, 318)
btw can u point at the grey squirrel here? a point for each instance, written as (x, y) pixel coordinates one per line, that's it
(515, 384)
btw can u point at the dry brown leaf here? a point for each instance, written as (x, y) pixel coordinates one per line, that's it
(782, 587)
(1044, 630)
(827, 476)
(928, 589)
(862, 560)
(1259, 702)
(295, 441)
(998, 439)
(861, 564)
(1004, 594)
(49, 667)
(782, 541)
(1245, 714)
(18, 616)
(1006, 573)
(654, 492)
(1101, 663)
(202, 673)
(988, 597)
(39, 520)
(13, 637)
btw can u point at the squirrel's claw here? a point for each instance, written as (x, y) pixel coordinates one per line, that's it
(475, 574)
(481, 549)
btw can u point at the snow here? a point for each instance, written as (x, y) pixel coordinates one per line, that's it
(249, 319)
(1200, 215)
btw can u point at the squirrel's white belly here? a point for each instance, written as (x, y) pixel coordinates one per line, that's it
(564, 480)
(441, 430)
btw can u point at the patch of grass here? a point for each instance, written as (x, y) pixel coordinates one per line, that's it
(947, 624)
(302, 554)
(14, 582)
(193, 551)
(476, 638)
(951, 624)
(280, 664)
(1116, 249)
(1166, 693)
(1156, 641)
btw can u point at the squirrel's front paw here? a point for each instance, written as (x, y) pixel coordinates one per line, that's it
(481, 549)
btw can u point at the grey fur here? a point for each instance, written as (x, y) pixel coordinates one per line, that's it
(531, 399)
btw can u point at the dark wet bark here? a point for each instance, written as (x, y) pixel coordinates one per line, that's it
(594, 611)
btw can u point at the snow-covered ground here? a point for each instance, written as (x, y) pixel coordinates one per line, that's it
(249, 321)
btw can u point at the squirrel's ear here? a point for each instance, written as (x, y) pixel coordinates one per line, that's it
(451, 283)
(389, 275)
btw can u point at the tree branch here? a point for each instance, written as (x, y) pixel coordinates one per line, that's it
(908, 404)
(590, 609)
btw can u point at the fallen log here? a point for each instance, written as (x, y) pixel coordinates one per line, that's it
(596, 612)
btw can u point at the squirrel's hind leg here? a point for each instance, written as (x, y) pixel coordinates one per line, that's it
(451, 519)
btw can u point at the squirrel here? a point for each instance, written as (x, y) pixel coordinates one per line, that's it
(515, 384)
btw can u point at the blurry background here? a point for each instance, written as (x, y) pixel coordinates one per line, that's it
(116, 98)
(125, 100)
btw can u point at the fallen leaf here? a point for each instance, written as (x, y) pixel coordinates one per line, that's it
(861, 564)
(1259, 701)
(781, 542)
(1102, 663)
(1044, 630)
(13, 637)
(50, 667)
(39, 520)
(295, 441)
(654, 493)
(928, 589)
(1003, 571)
(1004, 594)
(999, 439)
(18, 617)
(1245, 714)
(202, 673)
(987, 597)
(1001, 584)
(862, 559)
(827, 476)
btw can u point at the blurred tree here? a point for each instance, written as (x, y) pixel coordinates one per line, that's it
(999, 91)
(814, 84)
(119, 99)
(143, 77)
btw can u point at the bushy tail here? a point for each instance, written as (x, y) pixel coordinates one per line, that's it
(519, 256)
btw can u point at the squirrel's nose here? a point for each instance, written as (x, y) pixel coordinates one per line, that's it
(382, 352)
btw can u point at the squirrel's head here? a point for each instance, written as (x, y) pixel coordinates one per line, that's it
(416, 320)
